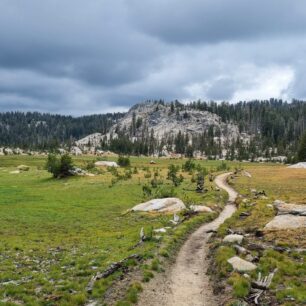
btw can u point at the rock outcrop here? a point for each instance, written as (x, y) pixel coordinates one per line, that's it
(165, 123)
(301, 165)
(289, 216)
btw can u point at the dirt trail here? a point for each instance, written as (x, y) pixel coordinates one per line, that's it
(186, 283)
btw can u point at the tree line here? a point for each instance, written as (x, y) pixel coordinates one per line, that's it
(37, 131)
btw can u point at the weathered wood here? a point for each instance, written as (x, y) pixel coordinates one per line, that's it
(114, 267)
(259, 286)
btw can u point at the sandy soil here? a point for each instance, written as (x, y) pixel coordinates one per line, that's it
(186, 282)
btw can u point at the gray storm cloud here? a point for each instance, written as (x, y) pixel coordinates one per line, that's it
(78, 57)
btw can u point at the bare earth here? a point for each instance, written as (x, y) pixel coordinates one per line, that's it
(186, 282)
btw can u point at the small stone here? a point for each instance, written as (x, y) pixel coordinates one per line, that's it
(240, 264)
(201, 208)
(160, 230)
(249, 257)
(23, 168)
(240, 249)
(233, 238)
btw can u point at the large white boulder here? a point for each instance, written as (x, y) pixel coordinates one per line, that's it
(240, 264)
(301, 165)
(104, 163)
(161, 205)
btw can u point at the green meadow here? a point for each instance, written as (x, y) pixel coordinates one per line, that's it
(55, 234)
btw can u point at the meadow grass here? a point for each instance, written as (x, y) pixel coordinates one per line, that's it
(55, 234)
(279, 183)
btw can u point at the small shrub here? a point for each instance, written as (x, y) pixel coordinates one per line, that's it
(147, 191)
(155, 265)
(172, 175)
(124, 161)
(59, 166)
(223, 254)
(241, 285)
(90, 165)
(148, 174)
(189, 165)
(223, 167)
(147, 275)
(165, 192)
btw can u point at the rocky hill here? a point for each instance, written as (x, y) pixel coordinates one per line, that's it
(163, 122)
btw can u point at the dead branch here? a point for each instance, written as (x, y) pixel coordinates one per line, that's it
(110, 270)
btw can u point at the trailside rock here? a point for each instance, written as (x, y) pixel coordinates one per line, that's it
(161, 205)
(23, 168)
(282, 222)
(201, 208)
(104, 163)
(15, 172)
(241, 265)
(284, 208)
(233, 238)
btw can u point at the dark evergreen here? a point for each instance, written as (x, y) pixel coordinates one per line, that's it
(302, 149)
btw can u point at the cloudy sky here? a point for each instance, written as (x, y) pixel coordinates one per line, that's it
(80, 56)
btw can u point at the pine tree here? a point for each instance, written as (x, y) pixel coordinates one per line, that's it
(302, 149)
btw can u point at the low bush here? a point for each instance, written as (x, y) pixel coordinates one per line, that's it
(124, 161)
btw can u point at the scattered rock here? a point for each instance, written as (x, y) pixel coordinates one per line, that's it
(255, 247)
(286, 222)
(289, 216)
(76, 151)
(247, 174)
(201, 208)
(78, 171)
(23, 168)
(15, 172)
(249, 257)
(245, 214)
(89, 174)
(240, 249)
(161, 205)
(233, 238)
(104, 163)
(175, 220)
(284, 208)
(160, 230)
(240, 264)
(152, 162)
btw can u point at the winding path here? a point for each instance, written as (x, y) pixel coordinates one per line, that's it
(186, 283)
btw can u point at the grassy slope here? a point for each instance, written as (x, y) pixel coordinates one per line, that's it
(289, 284)
(55, 234)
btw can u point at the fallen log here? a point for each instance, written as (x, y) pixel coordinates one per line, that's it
(114, 267)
